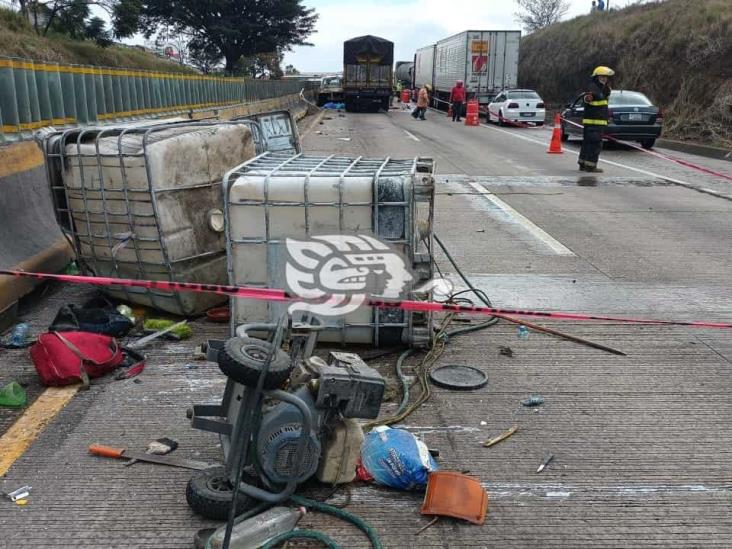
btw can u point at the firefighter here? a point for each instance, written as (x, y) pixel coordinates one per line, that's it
(594, 119)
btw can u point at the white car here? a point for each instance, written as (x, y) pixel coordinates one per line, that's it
(512, 107)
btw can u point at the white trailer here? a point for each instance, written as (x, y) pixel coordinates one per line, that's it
(424, 62)
(487, 61)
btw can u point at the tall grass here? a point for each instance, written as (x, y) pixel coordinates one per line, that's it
(18, 39)
(678, 52)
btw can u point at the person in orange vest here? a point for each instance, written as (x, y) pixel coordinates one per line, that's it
(423, 99)
(457, 98)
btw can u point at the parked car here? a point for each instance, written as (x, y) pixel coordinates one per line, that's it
(517, 106)
(631, 117)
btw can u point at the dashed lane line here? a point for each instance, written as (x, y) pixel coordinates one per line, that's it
(411, 135)
(536, 231)
(619, 165)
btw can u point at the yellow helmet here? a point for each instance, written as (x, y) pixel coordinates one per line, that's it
(428, 87)
(603, 71)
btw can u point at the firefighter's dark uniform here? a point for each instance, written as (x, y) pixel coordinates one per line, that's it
(594, 121)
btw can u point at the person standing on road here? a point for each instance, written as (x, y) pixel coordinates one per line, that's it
(457, 98)
(423, 99)
(594, 119)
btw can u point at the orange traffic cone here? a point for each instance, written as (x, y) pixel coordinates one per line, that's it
(471, 113)
(555, 146)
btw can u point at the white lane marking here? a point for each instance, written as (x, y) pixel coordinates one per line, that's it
(538, 233)
(617, 164)
(411, 135)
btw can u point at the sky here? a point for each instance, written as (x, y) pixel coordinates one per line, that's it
(410, 24)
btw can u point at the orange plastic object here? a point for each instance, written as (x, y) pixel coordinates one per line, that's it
(455, 495)
(106, 451)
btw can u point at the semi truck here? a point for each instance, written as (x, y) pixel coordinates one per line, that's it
(486, 61)
(367, 73)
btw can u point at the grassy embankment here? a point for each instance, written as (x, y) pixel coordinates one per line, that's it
(678, 52)
(18, 39)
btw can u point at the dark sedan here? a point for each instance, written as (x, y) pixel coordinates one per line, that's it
(631, 117)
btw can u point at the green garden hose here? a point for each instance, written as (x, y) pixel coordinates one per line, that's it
(302, 534)
(342, 514)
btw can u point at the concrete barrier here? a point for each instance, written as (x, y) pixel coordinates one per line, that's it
(29, 236)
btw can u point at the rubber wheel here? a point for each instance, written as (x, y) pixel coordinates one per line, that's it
(500, 119)
(209, 494)
(648, 143)
(242, 359)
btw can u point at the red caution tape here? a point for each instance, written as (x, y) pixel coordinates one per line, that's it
(267, 294)
(659, 155)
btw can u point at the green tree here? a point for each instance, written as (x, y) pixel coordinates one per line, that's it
(537, 14)
(96, 30)
(234, 28)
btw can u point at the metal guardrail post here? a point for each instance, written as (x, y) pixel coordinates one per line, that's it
(8, 101)
(33, 95)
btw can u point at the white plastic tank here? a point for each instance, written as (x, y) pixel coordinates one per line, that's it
(278, 196)
(145, 202)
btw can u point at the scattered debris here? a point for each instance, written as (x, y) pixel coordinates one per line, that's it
(147, 339)
(121, 453)
(126, 310)
(455, 495)
(180, 329)
(334, 106)
(430, 523)
(21, 494)
(503, 436)
(191, 366)
(480, 231)
(159, 447)
(344, 138)
(505, 351)
(256, 531)
(396, 458)
(219, 314)
(522, 332)
(19, 337)
(13, 395)
(547, 460)
(533, 400)
(458, 377)
(484, 423)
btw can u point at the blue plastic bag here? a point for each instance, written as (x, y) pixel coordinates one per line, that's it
(394, 457)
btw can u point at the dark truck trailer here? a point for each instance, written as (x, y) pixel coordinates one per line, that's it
(367, 73)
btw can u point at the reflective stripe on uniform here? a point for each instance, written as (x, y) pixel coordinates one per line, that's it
(597, 103)
(594, 122)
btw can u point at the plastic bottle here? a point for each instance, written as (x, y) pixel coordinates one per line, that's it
(522, 332)
(19, 336)
(256, 531)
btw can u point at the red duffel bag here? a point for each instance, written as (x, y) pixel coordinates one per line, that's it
(69, 357)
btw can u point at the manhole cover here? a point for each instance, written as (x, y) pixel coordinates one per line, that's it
(458, 376)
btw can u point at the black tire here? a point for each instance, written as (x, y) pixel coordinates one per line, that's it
(209, 494)
(500, 119)
(647, 143)
(242, 359)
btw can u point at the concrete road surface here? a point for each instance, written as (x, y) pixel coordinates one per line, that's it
(642, 443)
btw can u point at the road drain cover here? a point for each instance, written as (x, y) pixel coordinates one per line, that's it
(458, 376)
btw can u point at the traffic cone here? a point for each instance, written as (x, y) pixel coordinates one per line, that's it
(555, 146)
(471, 113)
